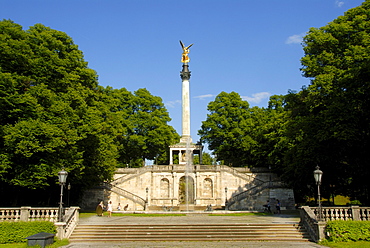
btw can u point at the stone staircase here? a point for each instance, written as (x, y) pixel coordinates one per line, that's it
(189, 232)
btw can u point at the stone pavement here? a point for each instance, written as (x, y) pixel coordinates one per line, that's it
(194, 218)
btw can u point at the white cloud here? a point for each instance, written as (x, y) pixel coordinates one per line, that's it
(202, 97)
(339, 3)
(257, 97)
(295, 39)
(171, 104)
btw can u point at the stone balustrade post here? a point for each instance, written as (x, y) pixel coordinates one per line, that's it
(320, 230)
(77, 214)
(60, 229)
(25, 213)
(355, 212)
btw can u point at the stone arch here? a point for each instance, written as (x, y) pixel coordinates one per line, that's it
(186, 190)
(208, 188)
(164, 188)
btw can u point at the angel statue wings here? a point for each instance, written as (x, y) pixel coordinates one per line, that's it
(185, 51)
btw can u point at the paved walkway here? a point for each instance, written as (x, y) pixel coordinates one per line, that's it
(193, 218)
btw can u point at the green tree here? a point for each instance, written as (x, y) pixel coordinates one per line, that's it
(227, 127)
(55, 115)
(49, 116)
(244, 136)
(151, 135)
(268, 132)
(207, 159)
(117, 106)
(141, 127)
(330, 118)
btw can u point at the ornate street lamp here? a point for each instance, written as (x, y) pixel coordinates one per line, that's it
(147, 198)
(226, 207)
(69, 191)
(62, 181)
(318, 175)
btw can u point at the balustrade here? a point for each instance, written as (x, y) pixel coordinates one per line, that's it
(343, 213)
(65, 229)
(252, 191)
(364, 214)
(43, 214)
(309, 217)
(10, 214)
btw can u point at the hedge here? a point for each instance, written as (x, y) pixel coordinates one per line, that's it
(348, 230)
(16, 232)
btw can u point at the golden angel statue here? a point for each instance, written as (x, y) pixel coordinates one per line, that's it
(185, 51)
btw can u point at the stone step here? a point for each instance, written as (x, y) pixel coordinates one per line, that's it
(200, 232)
(188, 235)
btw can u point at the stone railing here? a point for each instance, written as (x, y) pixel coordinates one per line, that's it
(316, 228)
(11, 214)
(343, 213)
(64, 229)
(253, 191)
(241, 175)
(125, 193)
(70, 221)
(29, 214)
(132, 173)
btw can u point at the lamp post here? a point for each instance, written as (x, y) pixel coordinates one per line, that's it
(318, 174)
(147, 198)
(69, 191)
(226, 208)
(62, 180)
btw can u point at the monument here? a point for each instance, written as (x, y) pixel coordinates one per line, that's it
(173, 186)
(185, 149)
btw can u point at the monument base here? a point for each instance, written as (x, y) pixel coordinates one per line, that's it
(189, 207)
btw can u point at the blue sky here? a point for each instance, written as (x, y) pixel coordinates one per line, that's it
(247, 46)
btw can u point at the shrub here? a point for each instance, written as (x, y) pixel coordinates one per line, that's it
(354, 202)
(348, 230)
(15, 232)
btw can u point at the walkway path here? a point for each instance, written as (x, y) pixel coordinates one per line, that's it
(194, 218)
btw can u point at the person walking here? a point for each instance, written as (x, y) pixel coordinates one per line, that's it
(267, 206)
(278, 207)
(100, 209)
(110, 209)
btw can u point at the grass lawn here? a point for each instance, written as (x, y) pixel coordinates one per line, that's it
(358, 244)
(147, 215)
(90, 214)
(242, 214)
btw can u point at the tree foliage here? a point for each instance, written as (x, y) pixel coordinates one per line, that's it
(141, 127)
(207, 159)
(330, 123)
(55, 115)
(240, 135)
(225, 127)
(46, 93)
